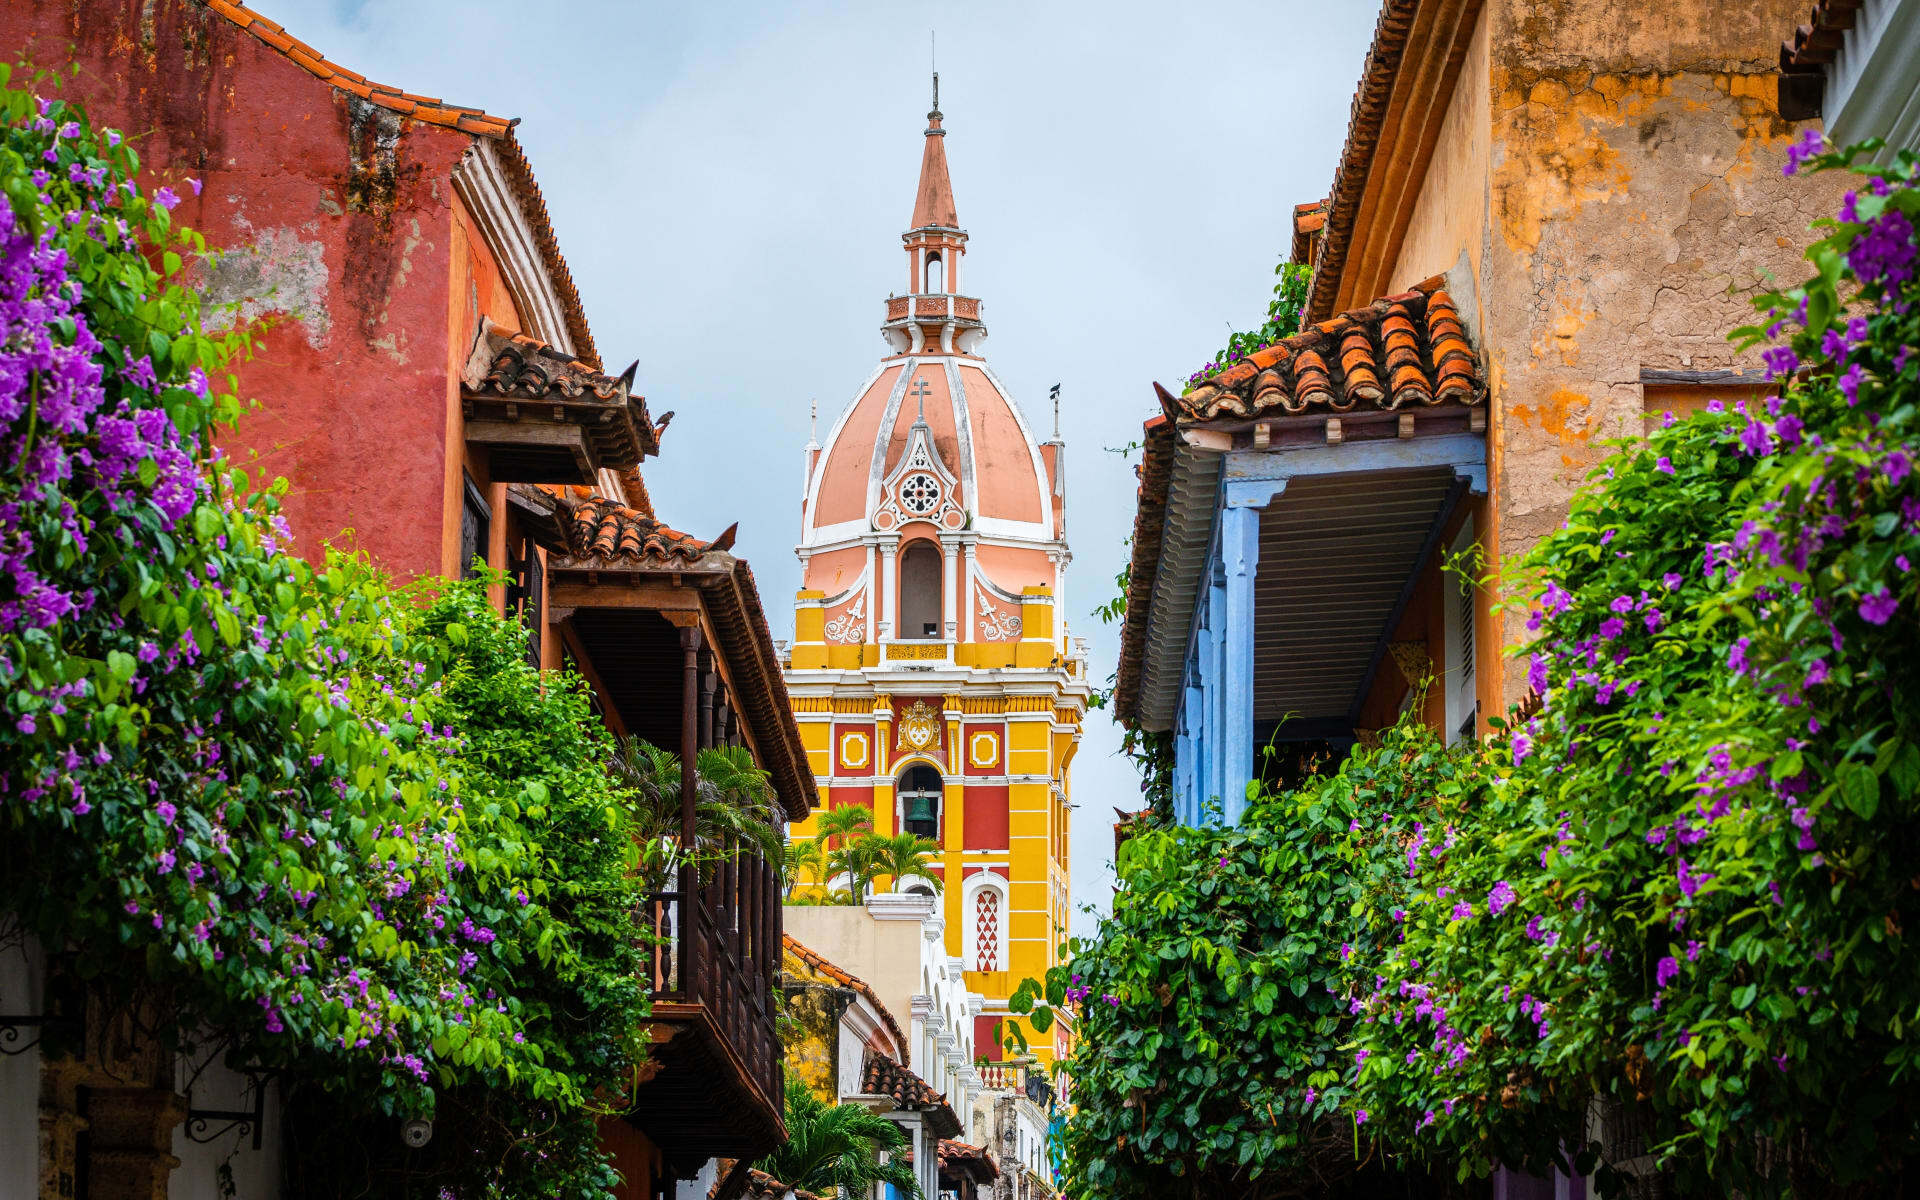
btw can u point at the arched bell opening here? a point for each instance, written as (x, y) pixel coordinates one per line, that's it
(921, 793)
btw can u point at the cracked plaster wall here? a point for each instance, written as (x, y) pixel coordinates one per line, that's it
(1608, 178)
(333, 221)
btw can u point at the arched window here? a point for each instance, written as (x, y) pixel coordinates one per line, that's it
(920, 792)
(983, 906)
(920, 601)
(936, 274)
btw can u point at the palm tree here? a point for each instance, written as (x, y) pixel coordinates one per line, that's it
(901, 855)
(838, 1147)
(808, 855)
(855, 861)
(836, 825)
(733, 806)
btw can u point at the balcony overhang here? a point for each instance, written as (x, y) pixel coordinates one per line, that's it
(1350, 445)
(703, 1100)
(621, 584)
(541, 416)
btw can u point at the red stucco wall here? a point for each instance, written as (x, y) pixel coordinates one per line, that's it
(342, 214)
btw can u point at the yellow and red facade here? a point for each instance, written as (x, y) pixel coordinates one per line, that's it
(932, 673)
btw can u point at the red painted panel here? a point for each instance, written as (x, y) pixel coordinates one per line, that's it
(349, 236)
(986, 812)
(840, 797)
(969, 732)
(984, 1043)
(841, 765)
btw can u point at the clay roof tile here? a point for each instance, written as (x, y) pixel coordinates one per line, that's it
(1407, 348)
(844, 978)
(881, 1076)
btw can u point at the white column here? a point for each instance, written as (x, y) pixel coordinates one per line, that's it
(949, 587)
(873, 599)
(888, 552)
(967, 598)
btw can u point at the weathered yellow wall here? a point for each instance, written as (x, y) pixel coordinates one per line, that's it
(813, 1057)
(884, 954)
(1449, 219)
(1636, 199)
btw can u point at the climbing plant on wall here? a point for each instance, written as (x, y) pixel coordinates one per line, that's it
(1676, 897)
(338, 829)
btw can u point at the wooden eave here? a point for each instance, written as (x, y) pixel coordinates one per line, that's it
(531, 439)
(541, 514)
(1398, 110)
(719, 590)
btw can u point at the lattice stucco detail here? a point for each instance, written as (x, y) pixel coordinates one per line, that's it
(986, 919)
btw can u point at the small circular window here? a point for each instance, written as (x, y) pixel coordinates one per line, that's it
(920, 494)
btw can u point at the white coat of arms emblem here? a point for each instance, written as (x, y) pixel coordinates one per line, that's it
(919, 726)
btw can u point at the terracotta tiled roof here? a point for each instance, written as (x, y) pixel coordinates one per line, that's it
(1308, 220)
(1400, 350)
(520, 174)
(1814, 43)
(881, 1076)
(1405, 349)
(974, 1160)
(432, 111)
(847, 980)
(1149, 528)
(599, 528)
(420, 108)
(518, 367)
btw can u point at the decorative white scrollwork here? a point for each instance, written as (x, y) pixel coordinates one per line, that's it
(920, 494)
(996, 626)
(849, 625)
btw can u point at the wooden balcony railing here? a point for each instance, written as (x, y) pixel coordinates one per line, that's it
(719, 952)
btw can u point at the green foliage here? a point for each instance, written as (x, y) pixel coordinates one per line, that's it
(1706, 830)
(845, 847)
(1213, 1039)
(1284, 314)
(1679, 891)
(838, 1146)
(734, 807)
(345, 832)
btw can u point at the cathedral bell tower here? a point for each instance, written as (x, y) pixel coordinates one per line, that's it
(931, 671)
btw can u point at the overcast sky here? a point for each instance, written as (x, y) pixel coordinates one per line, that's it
(728, 182)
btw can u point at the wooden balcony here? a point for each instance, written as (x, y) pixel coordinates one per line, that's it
(716, 1087)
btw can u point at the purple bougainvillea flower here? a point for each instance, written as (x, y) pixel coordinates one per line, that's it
(1664, 973)
(1664, 465)
(1878, 608)
(1500, 897)
(1806, 146)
